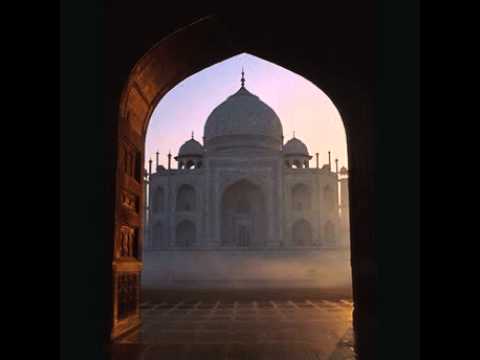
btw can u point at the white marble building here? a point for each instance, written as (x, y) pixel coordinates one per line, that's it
(242, 192)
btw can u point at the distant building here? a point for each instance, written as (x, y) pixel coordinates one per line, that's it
(244, 188)
(245, 209)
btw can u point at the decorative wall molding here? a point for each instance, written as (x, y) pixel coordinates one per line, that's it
(130, 201)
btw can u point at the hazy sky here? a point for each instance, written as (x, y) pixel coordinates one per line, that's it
(301, 106)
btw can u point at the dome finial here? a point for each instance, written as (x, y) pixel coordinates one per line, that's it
(192, 134)
(243, 78)
(294, 134)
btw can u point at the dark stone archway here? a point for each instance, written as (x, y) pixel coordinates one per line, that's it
(214, 39)
(340, 63)
(334, 45)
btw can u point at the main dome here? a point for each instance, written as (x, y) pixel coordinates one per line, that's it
(243, 113)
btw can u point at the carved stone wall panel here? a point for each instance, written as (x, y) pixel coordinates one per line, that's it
(127, 242)
(127, 217)
(133, 186)
(130, 201)
(137, 110)
(128, 285)
(130, 165)
(149, 76)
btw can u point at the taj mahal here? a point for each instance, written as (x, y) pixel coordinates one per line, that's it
(243, 194)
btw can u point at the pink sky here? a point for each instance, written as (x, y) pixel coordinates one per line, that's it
(301, 106)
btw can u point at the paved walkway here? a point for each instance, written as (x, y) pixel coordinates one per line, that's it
(264, 329)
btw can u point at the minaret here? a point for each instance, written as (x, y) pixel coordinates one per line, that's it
(169, 160)
(157, 153)
(336, 166)
(329, 162)
(316, 155)
(150, 167)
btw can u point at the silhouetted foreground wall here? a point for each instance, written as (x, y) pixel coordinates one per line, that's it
(323, 49)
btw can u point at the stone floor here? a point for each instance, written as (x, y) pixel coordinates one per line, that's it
(264, 329)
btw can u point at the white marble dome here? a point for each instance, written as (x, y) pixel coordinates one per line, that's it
(295, 147)
(191, 147)
(243, 113)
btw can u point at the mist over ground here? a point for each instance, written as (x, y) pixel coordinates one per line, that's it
(237, 269)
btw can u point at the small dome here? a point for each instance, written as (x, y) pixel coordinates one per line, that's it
(343, 171)
(191, 148)
(295, 147)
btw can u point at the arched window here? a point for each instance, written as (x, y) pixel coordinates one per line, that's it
(185, 234)
(302, 233)
(301, 197)
(158, 200)
(186, 198)
(157, 235)
(297, 164)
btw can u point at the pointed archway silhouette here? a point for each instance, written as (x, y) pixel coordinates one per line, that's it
(183, 53)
